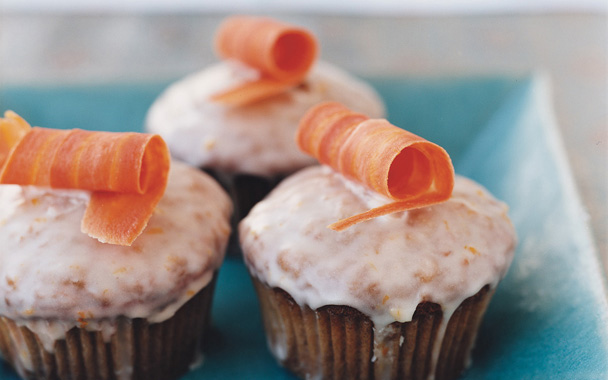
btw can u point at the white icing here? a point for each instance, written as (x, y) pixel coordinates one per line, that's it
(383, 267)
(443, 326)
(50, 270)
(384, 352)
(199, 358)
(256, 139)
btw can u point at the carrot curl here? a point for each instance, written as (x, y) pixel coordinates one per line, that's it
(282, 53)
(402, 166)
(127, 173)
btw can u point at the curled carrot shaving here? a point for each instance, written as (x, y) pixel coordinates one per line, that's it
(408, 169)
(127, 174)
(282, 53)
(12, 129)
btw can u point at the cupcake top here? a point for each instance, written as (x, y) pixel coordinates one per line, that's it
(383, 267)
(257, 138)
(50, 269)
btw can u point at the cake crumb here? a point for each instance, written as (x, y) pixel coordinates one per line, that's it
(76, 283)
(174, 263)
(11, 282)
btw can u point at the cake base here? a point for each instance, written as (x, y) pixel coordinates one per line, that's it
(137, 349)
(245, 191)
(339, 342)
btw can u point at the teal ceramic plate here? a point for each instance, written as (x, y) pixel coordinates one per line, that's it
(549, 317)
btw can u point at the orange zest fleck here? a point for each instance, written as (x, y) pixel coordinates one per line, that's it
(154, 231)
(471, 249)
(282, 53)
(82, 319)
(127, 174)
(404, 167)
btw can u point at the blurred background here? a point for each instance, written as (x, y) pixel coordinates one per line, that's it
(76, 41)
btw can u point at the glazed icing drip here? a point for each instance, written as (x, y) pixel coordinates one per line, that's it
(384, 267)
(50, 270)
(447, 314)
(25, 362)
(209, 134)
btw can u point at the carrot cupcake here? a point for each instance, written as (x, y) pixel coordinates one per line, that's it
(237, 118)
(397, 287)
(134, 306)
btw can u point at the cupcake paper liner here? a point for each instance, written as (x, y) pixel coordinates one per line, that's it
(339, 342)
(245, 191)
(137, 349)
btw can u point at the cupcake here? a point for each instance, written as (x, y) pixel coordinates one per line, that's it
(397, 287)
(237, 118)
(73, 307)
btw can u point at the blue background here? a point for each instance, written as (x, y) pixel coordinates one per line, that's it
(549, 317)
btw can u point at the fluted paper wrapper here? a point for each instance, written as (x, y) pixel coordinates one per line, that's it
(137, 349)
(339, 342)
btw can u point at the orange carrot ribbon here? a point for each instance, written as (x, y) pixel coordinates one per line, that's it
(127, 173)
(282, 53)
(410, 170)
(12, 129)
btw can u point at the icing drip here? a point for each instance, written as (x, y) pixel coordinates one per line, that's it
(25, 362)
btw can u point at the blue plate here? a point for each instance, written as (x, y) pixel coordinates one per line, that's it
(549, 317)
